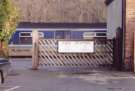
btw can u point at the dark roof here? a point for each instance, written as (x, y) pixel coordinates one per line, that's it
(107, 2)
(61, 25)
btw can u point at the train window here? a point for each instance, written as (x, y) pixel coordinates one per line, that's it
(49, 34)
(67, 34)
(62, 34)
(25, 38)
(25, 34)
(41, 34)
(101, 34)
(89, 35)
(59, 34)
(77, 35)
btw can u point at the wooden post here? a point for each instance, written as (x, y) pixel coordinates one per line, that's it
(118, 41)
(35, 61)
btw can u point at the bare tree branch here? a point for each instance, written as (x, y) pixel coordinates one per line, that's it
(87, 11)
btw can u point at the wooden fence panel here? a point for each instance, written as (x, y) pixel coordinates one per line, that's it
(50, 59)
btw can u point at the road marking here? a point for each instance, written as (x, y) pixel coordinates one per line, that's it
(11, 89)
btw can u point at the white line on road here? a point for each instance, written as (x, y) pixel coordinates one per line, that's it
(11, 89)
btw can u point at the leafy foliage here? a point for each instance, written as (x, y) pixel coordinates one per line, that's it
(8, 21)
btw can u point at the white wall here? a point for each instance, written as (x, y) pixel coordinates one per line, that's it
(114, 18)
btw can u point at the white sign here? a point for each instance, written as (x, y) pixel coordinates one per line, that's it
(76, 46)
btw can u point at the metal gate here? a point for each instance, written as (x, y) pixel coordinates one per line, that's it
(51, 59)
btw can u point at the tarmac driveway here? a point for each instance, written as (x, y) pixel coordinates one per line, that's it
(21, 78)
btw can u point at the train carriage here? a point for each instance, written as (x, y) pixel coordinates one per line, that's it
(20, 44)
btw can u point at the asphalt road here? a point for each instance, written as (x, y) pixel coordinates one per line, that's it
(22, 78)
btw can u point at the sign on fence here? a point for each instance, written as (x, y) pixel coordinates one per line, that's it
(75, 46)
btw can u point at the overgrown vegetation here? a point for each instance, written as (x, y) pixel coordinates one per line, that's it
(8, 21)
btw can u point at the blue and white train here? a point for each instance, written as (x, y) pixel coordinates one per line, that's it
(22, 37)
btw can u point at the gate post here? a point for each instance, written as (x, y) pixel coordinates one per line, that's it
(118, 49)
(35, 61)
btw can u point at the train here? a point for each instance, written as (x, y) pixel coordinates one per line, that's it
(20, 44)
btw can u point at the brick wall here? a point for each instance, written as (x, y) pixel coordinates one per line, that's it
(130, 28)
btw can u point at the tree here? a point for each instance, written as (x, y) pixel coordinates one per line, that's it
(8, 21)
